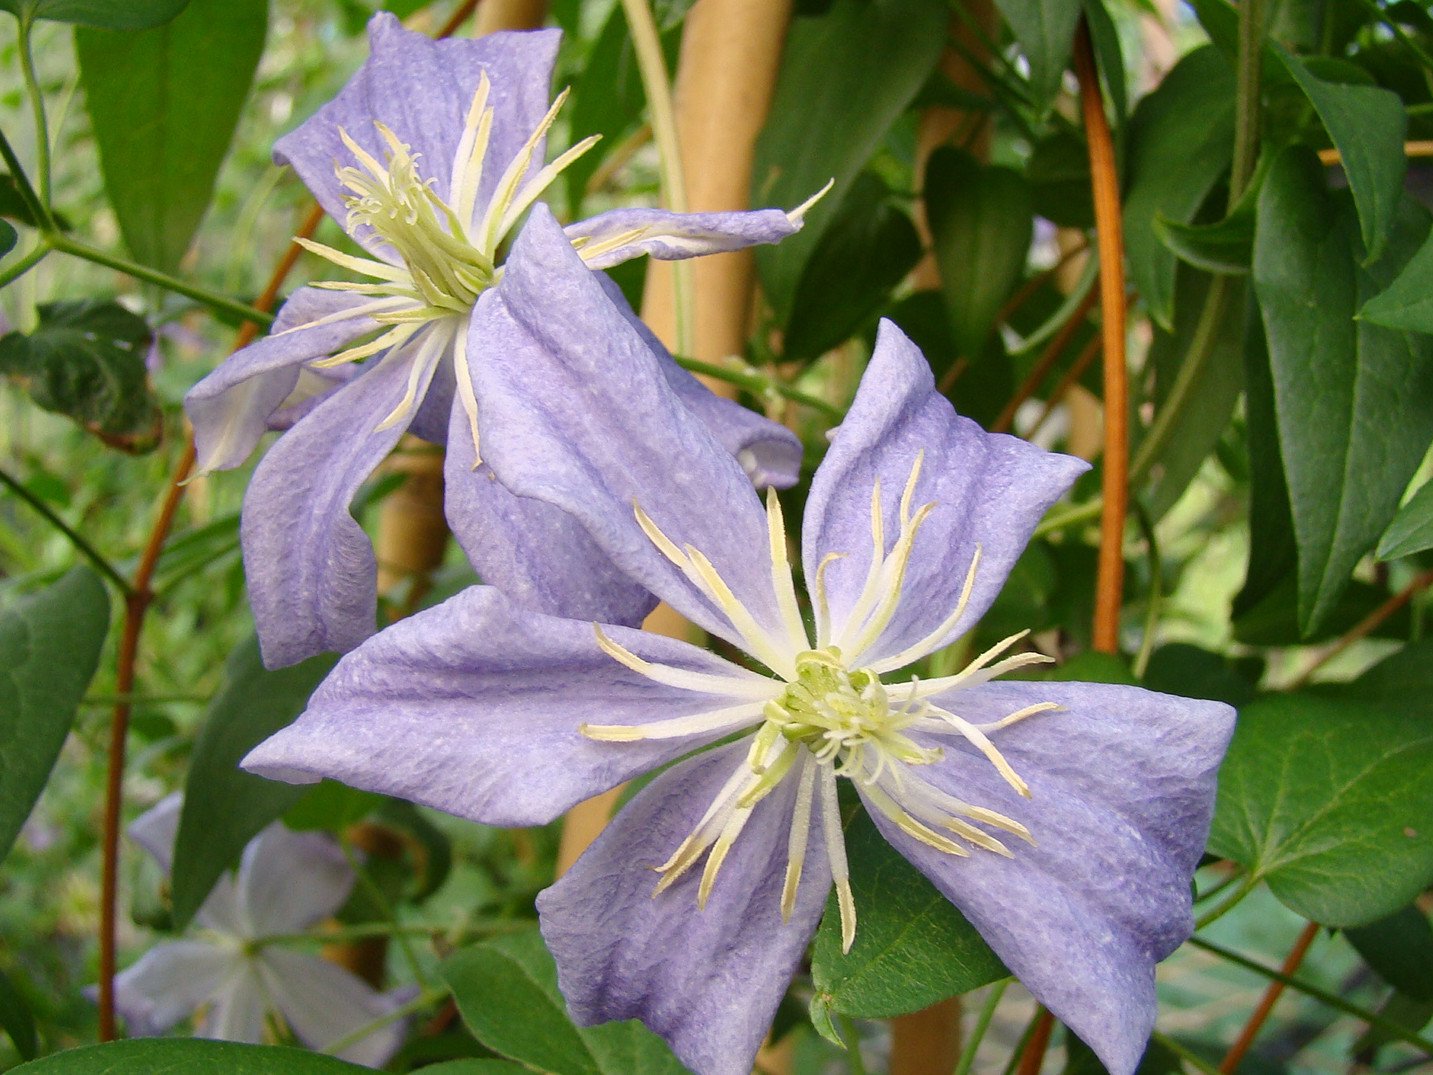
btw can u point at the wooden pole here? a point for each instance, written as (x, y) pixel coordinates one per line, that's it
(509, 15)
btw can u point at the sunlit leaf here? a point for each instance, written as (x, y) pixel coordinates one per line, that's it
(506, 990)
(111, 14)
(1045, 30)
(912, 946)
(50, 645)
(164, 104)
(1326, 800)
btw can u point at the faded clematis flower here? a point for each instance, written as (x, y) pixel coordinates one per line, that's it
(286, 882)
(430, 157)
(1063, 819)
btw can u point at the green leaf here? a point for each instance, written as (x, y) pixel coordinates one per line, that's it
(1184, 669)
(868, 249)
(1181, 140)
(1367, 125)
(225, 807)
(1201, 421)
(1326, 800)
(50, 645)
(1226, 246)
(1412, 528)
(1400, 949)
(164, 104)
(506, 990)
(877, 52)
(86, 361)
(980, 221)
(7, 237)
(1350, 398)
(472, 1066)
(111, 14)
(1045, 30)
(1407, 302)
(912, 946)
(186, 1056)
(1059, 177)
(16, 1020)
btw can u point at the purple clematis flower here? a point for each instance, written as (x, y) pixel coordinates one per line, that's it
(430, 157)
(1063, 819)
(286, 882)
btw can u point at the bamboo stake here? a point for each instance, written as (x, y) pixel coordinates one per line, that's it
(509, 15)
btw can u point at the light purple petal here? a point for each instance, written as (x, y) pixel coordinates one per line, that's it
(473, 707)
(156, 828)
(536, 553)
(422, 90)
(768, 451)
(990, 491)
(324, 1003)
(310, 567)
(670, 236)
(1122, 784)
(230, 408)
(169, 982)
(576, 411)
(237, 1013)
(708, 981)
(290, 880)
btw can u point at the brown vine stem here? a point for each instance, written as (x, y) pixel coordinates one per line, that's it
(1109, 580)
(1033, 1056)
(1271, 997)
(1046, 362)
(1365, 627)
(136, 605)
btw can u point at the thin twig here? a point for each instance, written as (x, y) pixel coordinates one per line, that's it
(1046, 362)
(76, 539)
(1104, 177)
(1332, 1000)
(1417, 148)
(1271, 996)
(1365, 627)
(1032, 1057)
(1083, 361)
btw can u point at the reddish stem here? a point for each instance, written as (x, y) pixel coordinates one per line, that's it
(1046, 361)
(1270, 998)
(1033, 1056)
(1109, 580)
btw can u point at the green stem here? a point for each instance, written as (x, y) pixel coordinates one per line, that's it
(759, 384)
(658, 87)
(423, 1000)
(1023, 1043)
(212, 299)
(1247, 884)
(853, 1044)
(1184, 1053)
(76, 539)
(982, 1024)
(1071, 516)
(385, 908)
(1156, 591)
(37, 106)
(1248, 100)
(38, 213)
(1218, 887)
(145, 699)
(21, 265)
(1332, 1000)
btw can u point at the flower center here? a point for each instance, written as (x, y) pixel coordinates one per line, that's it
(845, 717)
(403, 210)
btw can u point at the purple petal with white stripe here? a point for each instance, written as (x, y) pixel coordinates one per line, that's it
(669, 236)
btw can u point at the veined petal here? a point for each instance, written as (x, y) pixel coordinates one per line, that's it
(289, 880)
(230, 408)
(768, 451)
(1122, 784)
(606, 433)
(536, 553)
(707, 981)
(324, 1003)
(474, 707)
(989, 491)
(238, 1009)
(310, 567)
(169, 982)
(422, 89)
(620, 235)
